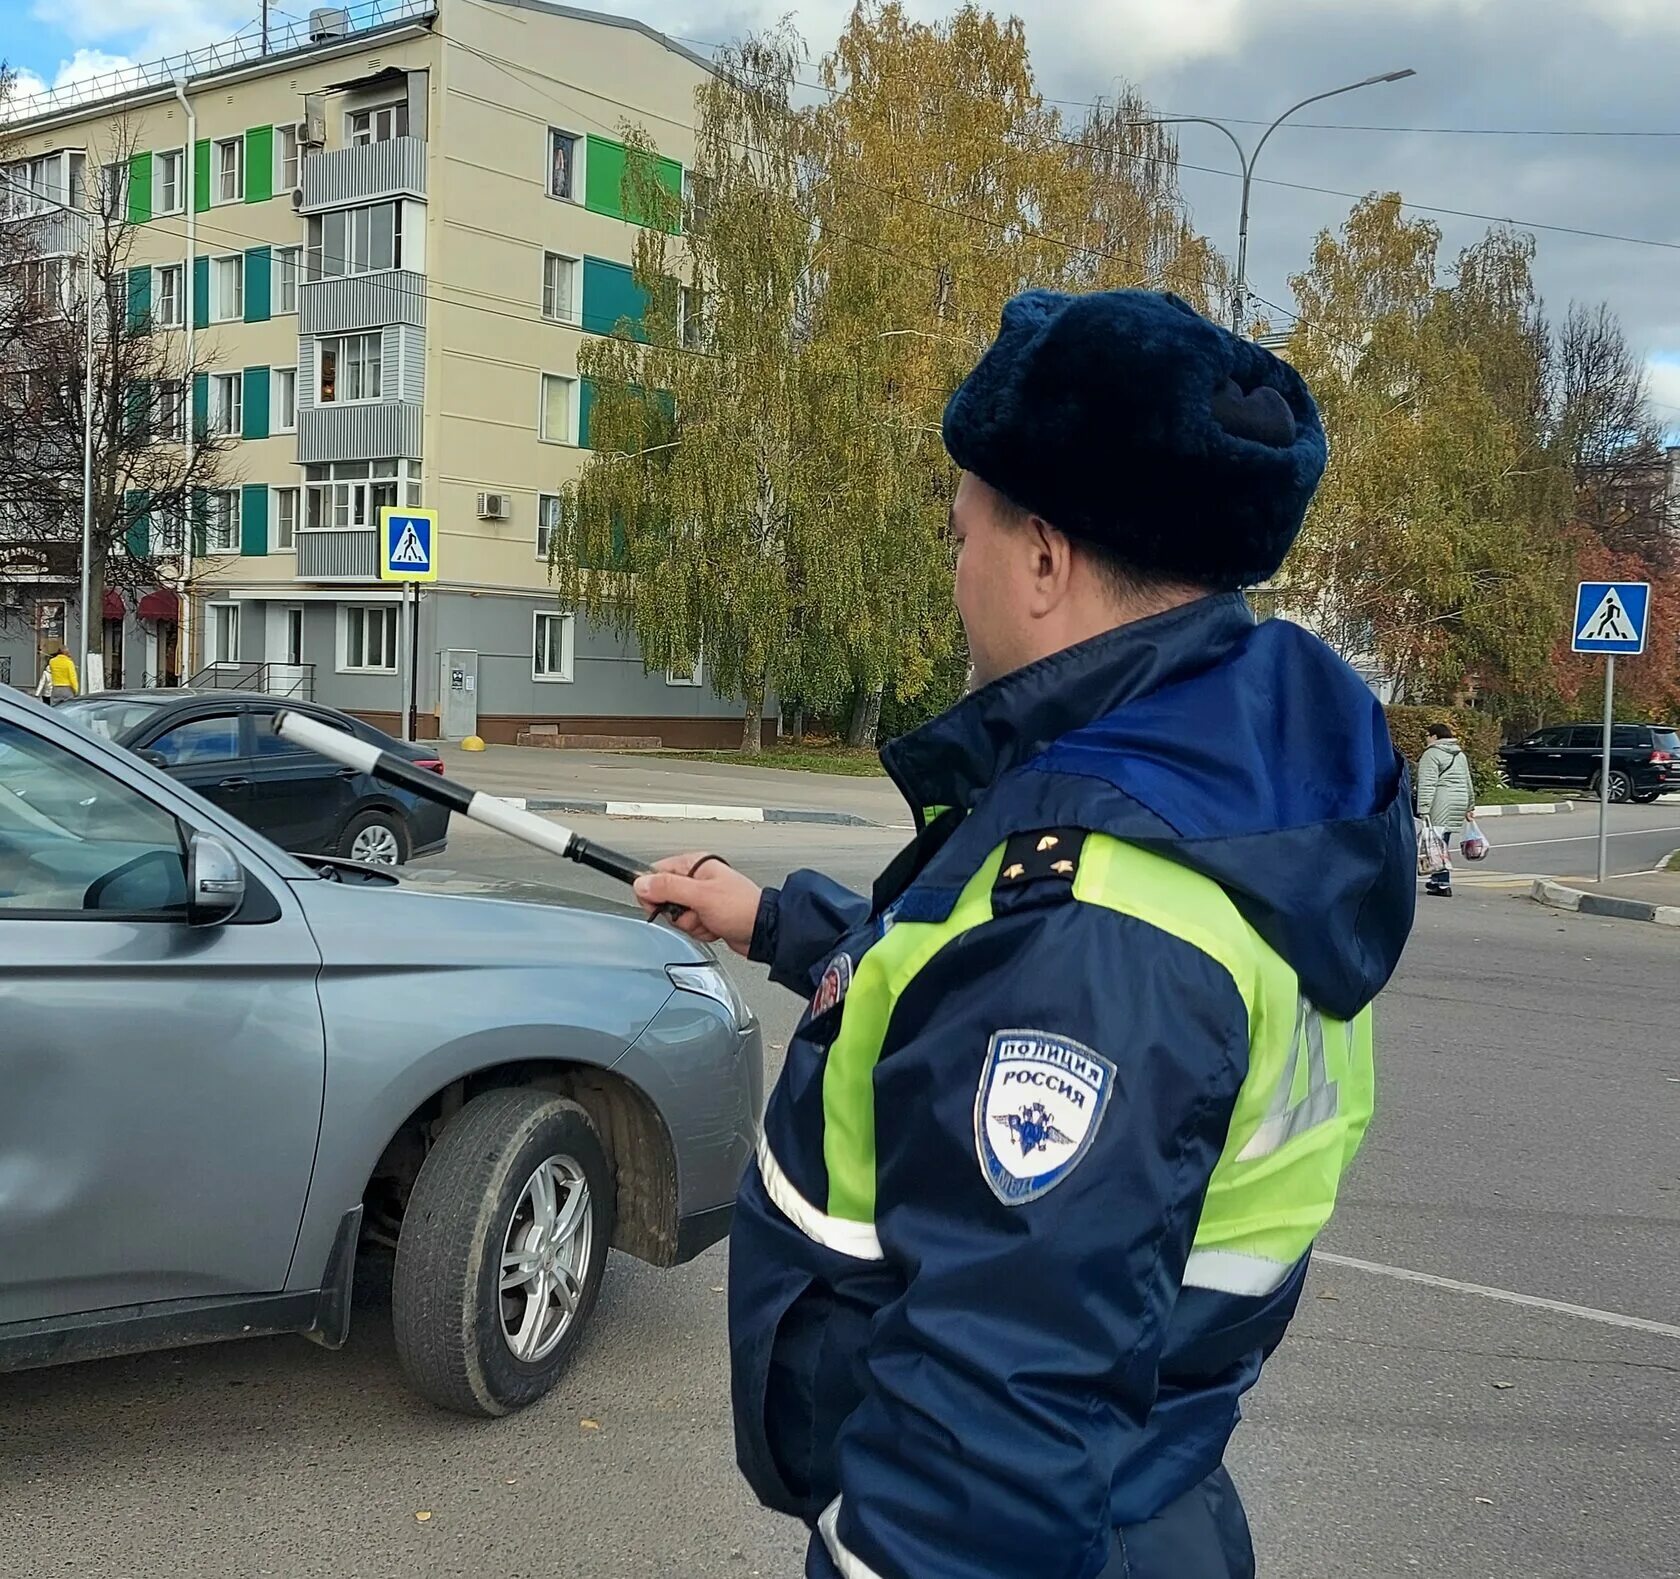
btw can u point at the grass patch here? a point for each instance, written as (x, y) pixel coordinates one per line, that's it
(1672, 864)
(849, 761)
(1499, 795)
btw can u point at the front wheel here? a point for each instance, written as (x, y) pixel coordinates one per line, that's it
(501, 1252)
(1621, 786)
(375, 838)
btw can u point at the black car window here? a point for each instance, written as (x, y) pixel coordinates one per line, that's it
(214, 739)
(1586, 735)
(1667, 740)
(1634, 735)
(270, 745)
(1550, 739)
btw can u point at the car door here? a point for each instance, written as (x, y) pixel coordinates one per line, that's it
(162, 1082)
(206, 752)
(1538, 759)
(298, 799)
(1583, 756)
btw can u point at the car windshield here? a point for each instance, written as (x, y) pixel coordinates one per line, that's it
(109, 717)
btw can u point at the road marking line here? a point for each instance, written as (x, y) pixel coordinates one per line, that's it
(1578, 838)
(1557, 1307)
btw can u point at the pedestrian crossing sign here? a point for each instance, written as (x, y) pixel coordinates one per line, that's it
(407, 543)
(1610, 616)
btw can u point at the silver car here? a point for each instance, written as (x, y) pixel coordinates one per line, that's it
(222, 1070)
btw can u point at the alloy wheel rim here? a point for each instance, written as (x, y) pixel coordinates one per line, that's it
(544, 1257)
(375, 846)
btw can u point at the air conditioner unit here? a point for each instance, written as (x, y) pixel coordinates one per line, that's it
(494, 507)
(312, 129)
(297, 198)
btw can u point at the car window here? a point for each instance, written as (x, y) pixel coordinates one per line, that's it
(270, 745)
(111, 717)
(1626, 735)
(199, 740)
(1667, 740)
(1587, 735)
(73, 838)
(1548, 738)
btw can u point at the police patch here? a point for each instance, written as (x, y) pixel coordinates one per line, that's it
(1036, 1113)
(832, 988)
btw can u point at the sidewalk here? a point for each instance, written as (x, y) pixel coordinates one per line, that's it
(1644, 896)
(648, 784)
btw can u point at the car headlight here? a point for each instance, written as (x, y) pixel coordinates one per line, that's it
(711, 981)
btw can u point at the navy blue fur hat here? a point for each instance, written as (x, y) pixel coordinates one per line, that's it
(1127, 419)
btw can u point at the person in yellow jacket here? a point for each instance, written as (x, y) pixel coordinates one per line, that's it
(59, 680)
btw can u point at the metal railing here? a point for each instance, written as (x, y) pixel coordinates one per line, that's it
(290, 37)
(295, 680)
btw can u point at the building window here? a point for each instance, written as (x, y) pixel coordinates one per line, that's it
(229, 166)
(559, 300)
(691, 318)
(283, 399)
(548, 523)
(379, 124)
(113, 190)
(557, 421)
(227, 289)
(563, 173)
(692, 676)
(169, 532)
(169, 411)
(168, 181)
(285, 158)
(355, 241)
(352, 368)
(221, 521)
(224, 633)
(227, 404)
(283, 538)
(370, 639)
(285, 271)
(43, 287)
(551, 647)
(169, 296)
(78, 181)
(348, 495)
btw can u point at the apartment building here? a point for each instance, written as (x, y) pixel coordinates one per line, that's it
(389, 233)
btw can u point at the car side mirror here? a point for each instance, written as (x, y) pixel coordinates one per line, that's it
(215, 881)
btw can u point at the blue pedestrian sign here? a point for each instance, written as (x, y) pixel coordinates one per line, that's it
(1610, 616)
(407, 543)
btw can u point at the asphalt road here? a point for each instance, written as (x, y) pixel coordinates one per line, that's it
(1566, 844)
(1525, 1143)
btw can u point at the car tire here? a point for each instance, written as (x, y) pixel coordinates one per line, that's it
(382, 837)
(472, 1215)
(1646, 797)
(1621, 786)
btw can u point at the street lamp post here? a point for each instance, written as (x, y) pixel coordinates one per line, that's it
(87, 406)
(1246, 161)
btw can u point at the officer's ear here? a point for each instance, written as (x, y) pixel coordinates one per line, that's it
(1050, 555)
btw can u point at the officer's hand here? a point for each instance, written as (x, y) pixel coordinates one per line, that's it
(718, 903)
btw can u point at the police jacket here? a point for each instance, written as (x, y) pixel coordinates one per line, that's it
(1041, 1173)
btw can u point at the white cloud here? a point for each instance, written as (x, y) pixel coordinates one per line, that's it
(84, 65)
(145, 29)
(1664, 375)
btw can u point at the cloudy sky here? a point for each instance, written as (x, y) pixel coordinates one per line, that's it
(1527, 66)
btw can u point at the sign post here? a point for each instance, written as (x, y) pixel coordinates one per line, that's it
(408, 554)
(1610, 617)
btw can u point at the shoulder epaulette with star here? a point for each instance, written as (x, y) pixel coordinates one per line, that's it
(1038, 868)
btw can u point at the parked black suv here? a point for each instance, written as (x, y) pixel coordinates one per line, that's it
(223, 744)
(1644, 760)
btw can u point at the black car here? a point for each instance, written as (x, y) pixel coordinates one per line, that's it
(1644, 760)
(222, 744)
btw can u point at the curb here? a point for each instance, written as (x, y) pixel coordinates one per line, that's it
(1561, 897)
(1524, 809)
(678, 811)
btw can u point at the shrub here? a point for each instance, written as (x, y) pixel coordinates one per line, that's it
(1408, 727)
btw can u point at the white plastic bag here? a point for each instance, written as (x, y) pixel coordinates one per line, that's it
(1473, 843)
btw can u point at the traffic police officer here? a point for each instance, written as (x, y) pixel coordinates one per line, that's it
(1041, 1176)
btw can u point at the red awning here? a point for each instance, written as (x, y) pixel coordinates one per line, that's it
(160, 604)
(114, 607)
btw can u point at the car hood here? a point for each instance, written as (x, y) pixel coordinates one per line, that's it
(461, 919)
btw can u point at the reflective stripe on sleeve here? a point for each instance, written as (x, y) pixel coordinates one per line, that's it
(849, 1238)
(1232, 1272)
(851, 1566)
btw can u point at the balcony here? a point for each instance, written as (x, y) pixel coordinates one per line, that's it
(361, 301)
(338, 556)
(364, 173)
(377, 430)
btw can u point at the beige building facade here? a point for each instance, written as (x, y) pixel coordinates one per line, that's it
(388, 237)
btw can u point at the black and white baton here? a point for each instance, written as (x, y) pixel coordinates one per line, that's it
(313, 735)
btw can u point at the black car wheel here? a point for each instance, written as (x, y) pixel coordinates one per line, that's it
(1645, 797)
(375, 838)
(1621, 786)
(501, 1252)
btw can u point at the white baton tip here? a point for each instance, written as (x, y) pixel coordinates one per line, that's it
(313, 735)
